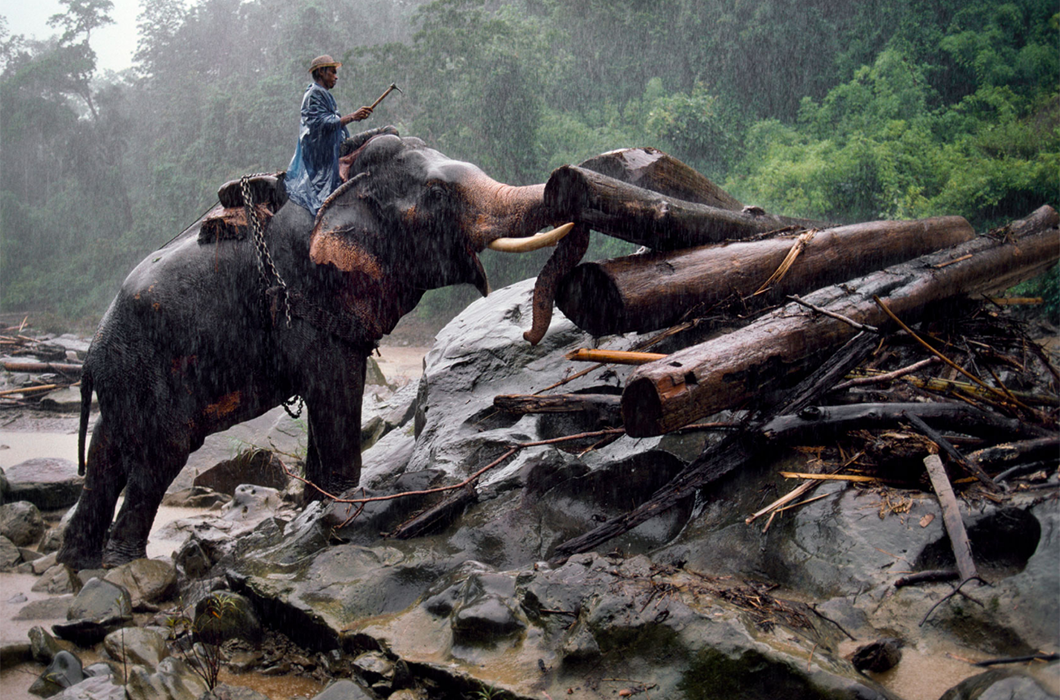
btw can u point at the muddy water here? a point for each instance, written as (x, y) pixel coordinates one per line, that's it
(17, 447)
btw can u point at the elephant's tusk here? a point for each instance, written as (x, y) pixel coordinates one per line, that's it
(535, 242)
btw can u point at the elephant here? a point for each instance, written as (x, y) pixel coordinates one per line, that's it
(202, 335)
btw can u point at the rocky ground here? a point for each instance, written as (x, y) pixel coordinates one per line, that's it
(700, 602)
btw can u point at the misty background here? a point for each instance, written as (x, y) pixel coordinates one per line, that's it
(814, 108)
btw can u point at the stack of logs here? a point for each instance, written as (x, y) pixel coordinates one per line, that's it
(50, 365)
(808, 304)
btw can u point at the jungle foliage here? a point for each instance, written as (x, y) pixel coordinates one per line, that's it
(816, 108)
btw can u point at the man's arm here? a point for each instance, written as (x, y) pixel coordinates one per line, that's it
(360, 115)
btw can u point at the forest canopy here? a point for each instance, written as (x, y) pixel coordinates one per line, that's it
(814, 108)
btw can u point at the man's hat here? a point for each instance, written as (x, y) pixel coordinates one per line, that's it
(324, 61)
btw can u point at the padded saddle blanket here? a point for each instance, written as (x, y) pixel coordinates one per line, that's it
(228, 221)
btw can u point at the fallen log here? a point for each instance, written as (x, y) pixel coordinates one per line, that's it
(39, 367)
(818, 421)
(651, 169)
(651, 219)
(646, 292)
(706, 378)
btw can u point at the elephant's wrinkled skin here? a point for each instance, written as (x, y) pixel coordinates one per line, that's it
(187, 348)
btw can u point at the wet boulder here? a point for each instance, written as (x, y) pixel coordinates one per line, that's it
(255, 466)
(171, 680)
(1000, 684)
(344, 689)
(98, 609)
(58, 579)
(50, 483)
(63, 672)
(21, 522)
(223, 691)
(149, 581)
(99, 687)
(43, 646)
(136, 645)
(10, 557)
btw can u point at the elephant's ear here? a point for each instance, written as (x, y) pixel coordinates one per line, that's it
(342, 229)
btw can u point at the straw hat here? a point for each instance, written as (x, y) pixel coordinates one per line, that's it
(324, 61)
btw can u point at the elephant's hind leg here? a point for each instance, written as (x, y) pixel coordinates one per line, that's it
(105, 477)
(148, 481)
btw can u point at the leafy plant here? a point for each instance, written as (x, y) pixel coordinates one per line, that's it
(199, 651)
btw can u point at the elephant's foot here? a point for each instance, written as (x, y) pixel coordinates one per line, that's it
(118, 553)
(79, 560)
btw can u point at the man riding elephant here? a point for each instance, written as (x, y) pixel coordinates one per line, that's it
(314, 170)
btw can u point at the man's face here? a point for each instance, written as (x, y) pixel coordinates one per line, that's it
(329, 76)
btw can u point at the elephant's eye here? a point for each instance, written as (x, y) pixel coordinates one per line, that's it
(436, 190)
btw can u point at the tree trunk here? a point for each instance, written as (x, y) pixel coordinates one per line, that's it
(703, 379)
(647, 292)
(648, 218)
(651, 169)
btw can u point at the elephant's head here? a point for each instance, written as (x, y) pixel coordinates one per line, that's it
(410, 219)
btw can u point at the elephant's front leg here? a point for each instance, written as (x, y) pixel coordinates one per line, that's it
(333, 460)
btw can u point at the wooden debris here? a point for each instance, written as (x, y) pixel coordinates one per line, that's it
(650, 291)
(616, 357)
(607, 406)
(721, 373)
(951, 517)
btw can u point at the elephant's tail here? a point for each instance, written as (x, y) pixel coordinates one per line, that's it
(86, 406)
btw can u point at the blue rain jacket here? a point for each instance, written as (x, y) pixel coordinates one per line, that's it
(314, 170)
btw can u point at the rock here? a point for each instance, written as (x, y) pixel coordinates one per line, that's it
(58, 579)
(999, 684)
(344, 690)
(149, 581)
(10, 557)
(54, 608)
(374, 667)
(98, 609)
(44, 563)
(51, 541)
(135, 645)
(63, 672)
(99, 687)
(42, 645)
(225, 615)
(49, 483)
(3, 487)
(223, 691)
(21, 522)
(172, 680)
(484, 613)
(196, 497)
(251, 504)
(878, 656)
(255, 467)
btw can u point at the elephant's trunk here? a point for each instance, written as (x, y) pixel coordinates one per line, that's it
(513, 212)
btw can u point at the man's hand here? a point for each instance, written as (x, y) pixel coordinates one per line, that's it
(360, 115)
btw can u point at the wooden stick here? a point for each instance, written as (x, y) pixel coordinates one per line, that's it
(617, 357)
(32, 389)
(951, 517)
(828, 477)
(968, 465)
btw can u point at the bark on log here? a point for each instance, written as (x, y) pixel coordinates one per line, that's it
(651, 169)
(646, 292)
(648, 218)
(706, 378)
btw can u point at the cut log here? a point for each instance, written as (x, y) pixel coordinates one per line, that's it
(651, 169)
(706, 378)
(648, 218)
(617, 357)
(646, 292)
